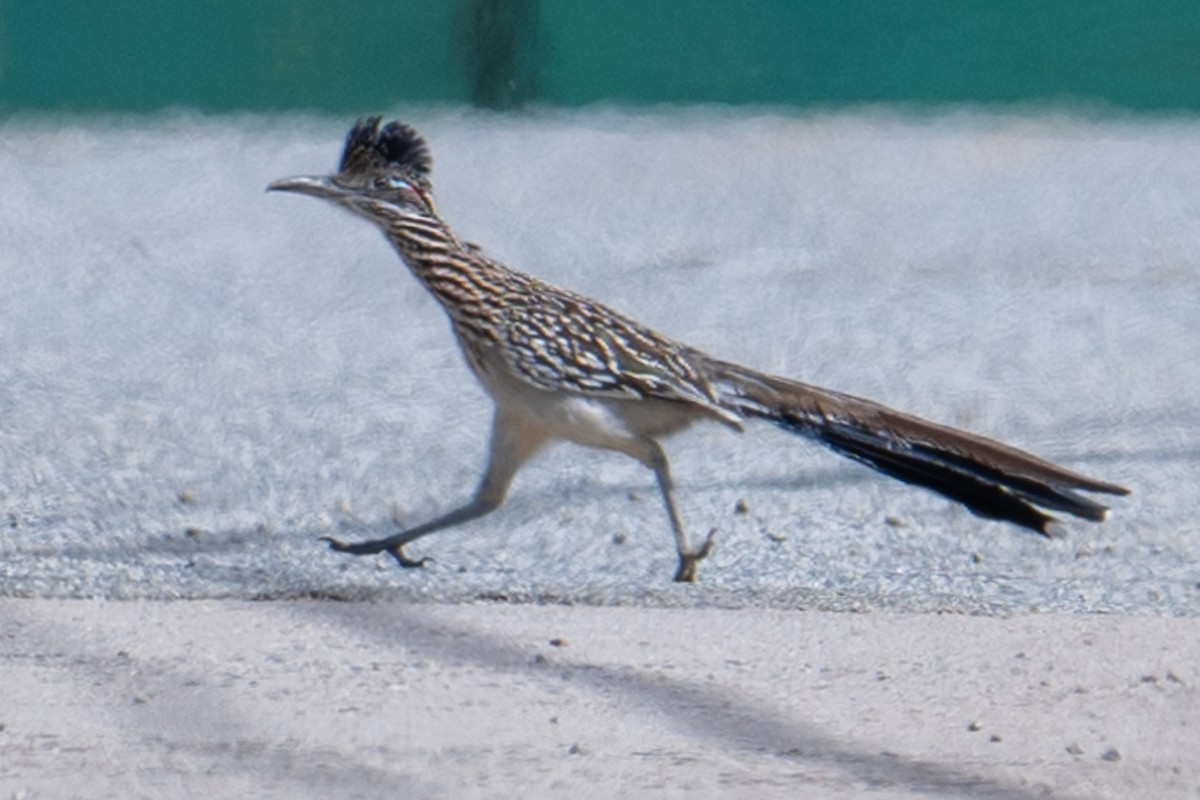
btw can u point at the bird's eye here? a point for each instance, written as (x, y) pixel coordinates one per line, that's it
(391, 182)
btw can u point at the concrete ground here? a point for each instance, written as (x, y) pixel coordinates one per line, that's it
(322, 699)
(197, 380)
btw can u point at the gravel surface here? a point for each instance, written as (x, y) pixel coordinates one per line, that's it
(197, 379)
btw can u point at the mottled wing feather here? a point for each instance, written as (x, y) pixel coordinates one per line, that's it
(558, 340)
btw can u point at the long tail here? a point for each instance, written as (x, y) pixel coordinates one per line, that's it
(992, 479)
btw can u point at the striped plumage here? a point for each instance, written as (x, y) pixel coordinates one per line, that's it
(562, 366)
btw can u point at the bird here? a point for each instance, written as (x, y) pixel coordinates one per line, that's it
(561, 366)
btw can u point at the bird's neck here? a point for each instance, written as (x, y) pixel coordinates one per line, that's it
(419, 239)
(463, 280)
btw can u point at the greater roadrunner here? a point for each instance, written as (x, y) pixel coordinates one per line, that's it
(561, 366)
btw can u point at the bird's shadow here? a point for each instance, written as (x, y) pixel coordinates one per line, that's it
(721, 715)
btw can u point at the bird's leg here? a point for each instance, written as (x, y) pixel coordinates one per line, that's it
(651, 454)
(514, 440)
(476, 507)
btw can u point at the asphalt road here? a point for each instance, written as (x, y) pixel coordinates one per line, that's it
(198, 379)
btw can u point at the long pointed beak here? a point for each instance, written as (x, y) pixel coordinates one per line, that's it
(314, 185)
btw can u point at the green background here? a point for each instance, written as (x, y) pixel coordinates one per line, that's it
(225, 55)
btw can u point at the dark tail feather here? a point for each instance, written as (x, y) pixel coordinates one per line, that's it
(991, 479)
(991, 496)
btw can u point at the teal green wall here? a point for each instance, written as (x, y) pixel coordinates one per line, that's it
(221, 55)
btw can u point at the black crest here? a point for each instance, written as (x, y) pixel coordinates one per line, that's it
(394, 145)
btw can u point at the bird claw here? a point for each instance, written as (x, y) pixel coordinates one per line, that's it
(406, 562)
(356, 549)
(376, 546)
(686, 572)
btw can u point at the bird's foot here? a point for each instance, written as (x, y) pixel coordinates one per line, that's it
(375, 546)
(686, 573)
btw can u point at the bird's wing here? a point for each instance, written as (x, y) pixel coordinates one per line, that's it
(557, 340)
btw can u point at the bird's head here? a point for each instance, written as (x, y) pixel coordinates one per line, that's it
(383, 175)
